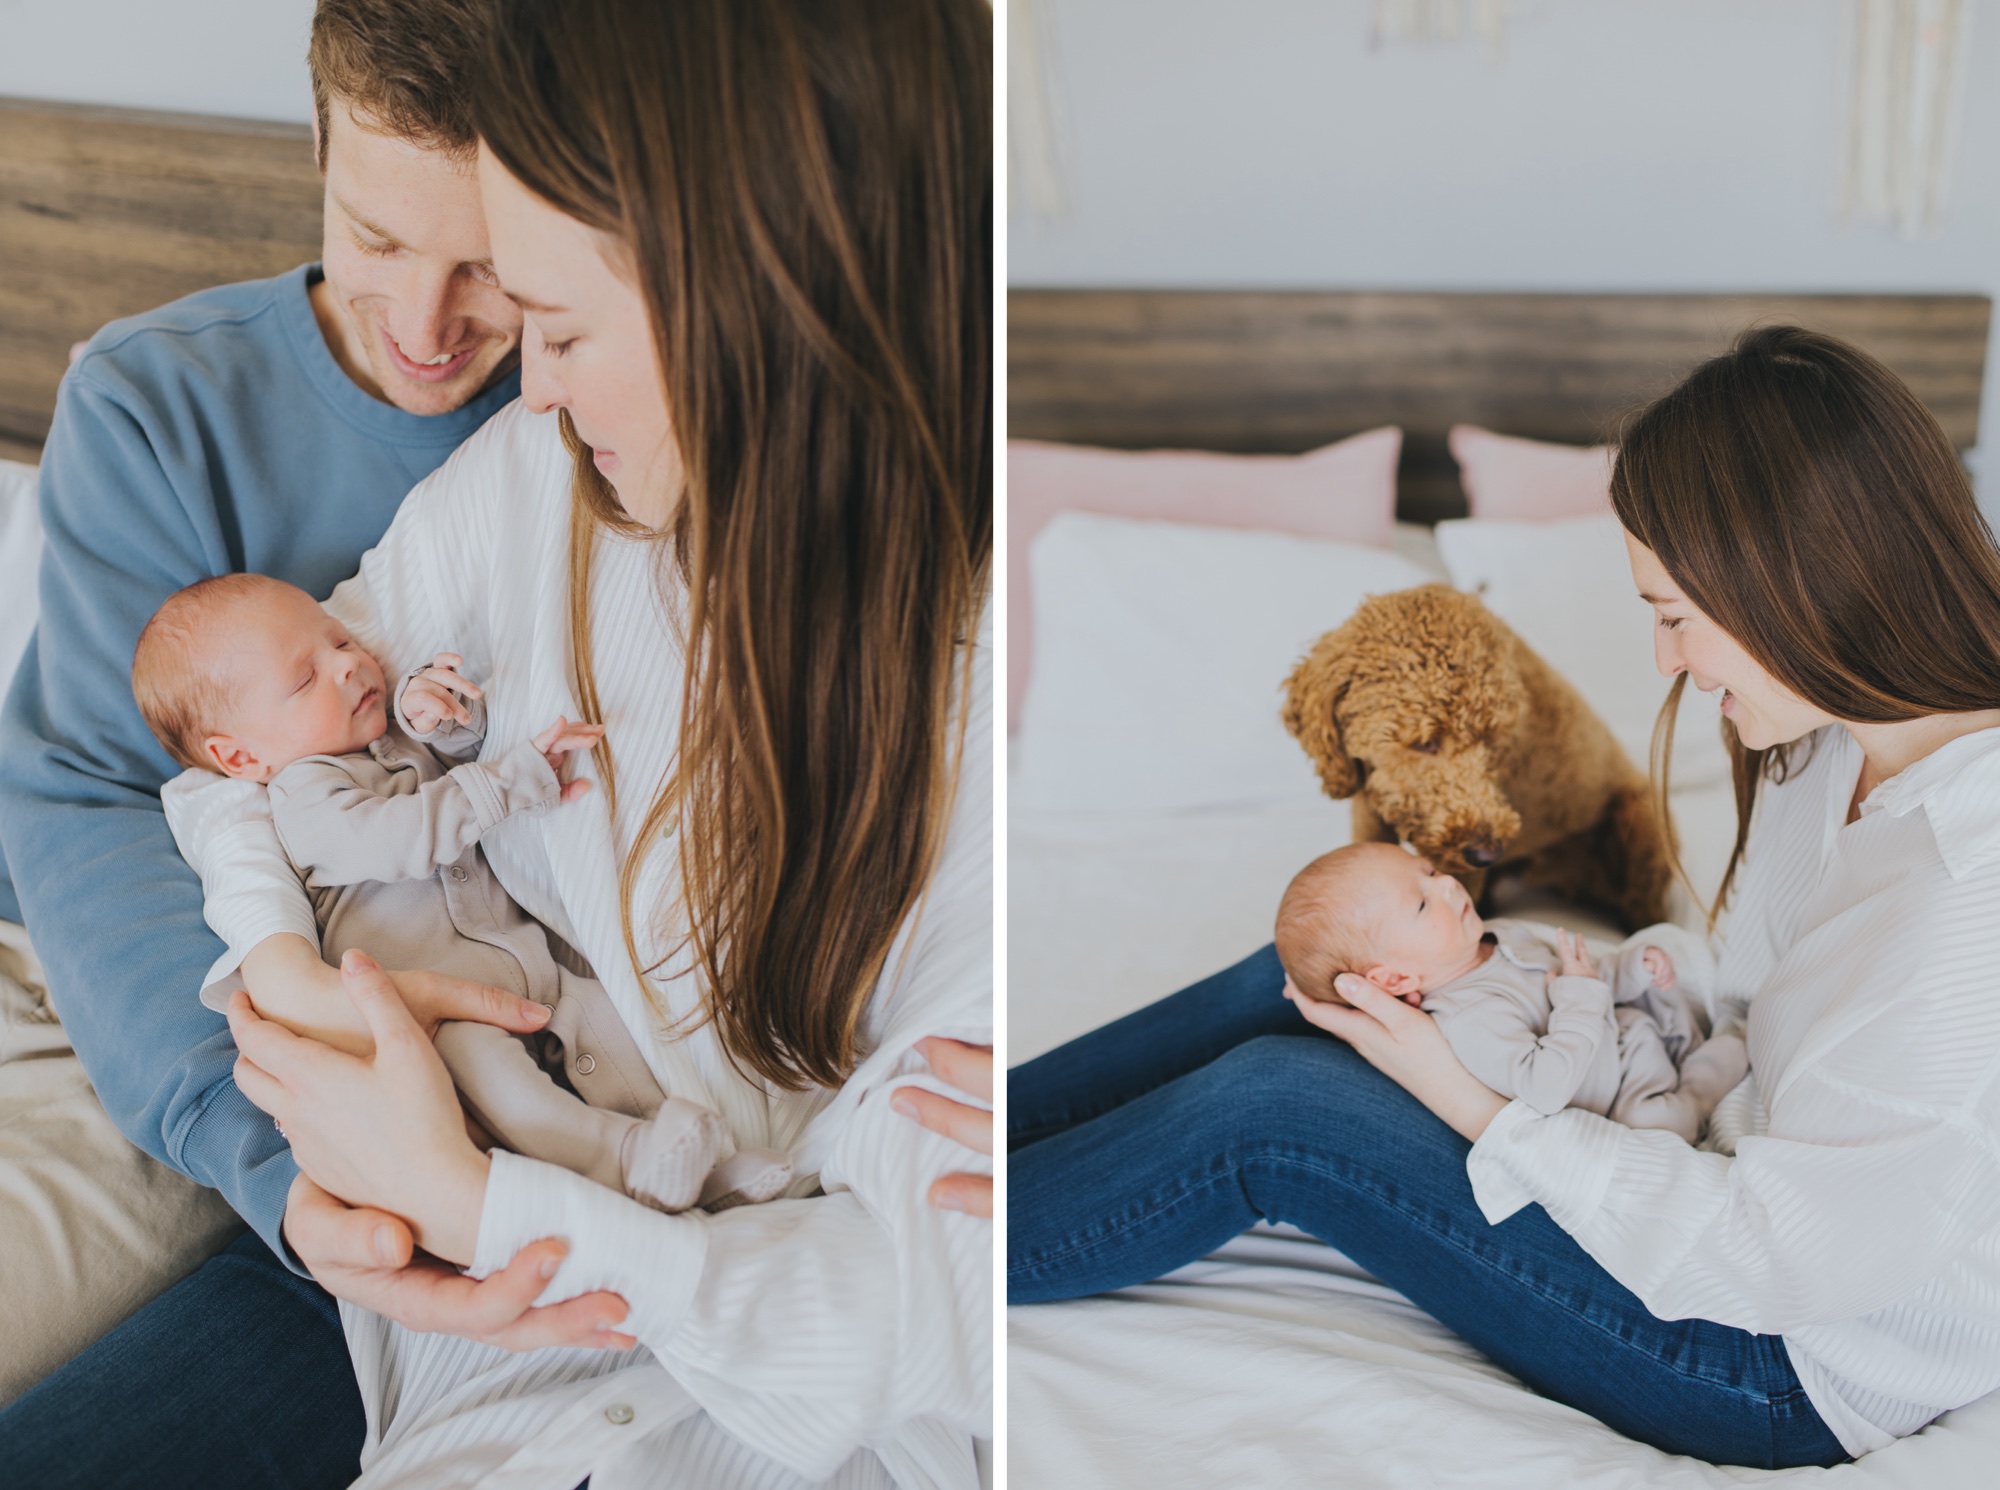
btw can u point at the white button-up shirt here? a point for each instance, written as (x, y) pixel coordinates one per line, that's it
(1859, 1215)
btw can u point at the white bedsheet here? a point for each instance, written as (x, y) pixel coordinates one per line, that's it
(1275, 1362)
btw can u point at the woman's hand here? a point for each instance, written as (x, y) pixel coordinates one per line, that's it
(1405, 1045)
(290, 984)
(369, 1258)
(383, 1131)
(970, 1069)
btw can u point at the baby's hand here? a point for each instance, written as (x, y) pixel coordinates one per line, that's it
(559, 740)
(433, 695)
(1661, 967)
(1576, 961)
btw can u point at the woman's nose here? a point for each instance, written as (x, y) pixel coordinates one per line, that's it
(541, 389)
(1667, 653)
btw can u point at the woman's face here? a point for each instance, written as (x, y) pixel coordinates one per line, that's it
(1764, 711)
(588, 343)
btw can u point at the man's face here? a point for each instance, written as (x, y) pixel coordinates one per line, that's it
(410, 306)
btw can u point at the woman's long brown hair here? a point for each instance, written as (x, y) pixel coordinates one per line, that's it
(804, 189)
(1806, 502)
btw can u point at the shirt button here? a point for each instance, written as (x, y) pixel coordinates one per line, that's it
(458, 874)
(618, 1413)
(585, 1064)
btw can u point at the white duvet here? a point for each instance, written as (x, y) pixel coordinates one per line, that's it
(1277, 1362)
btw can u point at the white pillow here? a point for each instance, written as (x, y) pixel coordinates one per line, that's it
(20, 557)
(1161, 651)
(1566, 587)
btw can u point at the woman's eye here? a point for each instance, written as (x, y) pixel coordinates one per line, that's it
(1672, 623)
(558, 348)
(375, 250)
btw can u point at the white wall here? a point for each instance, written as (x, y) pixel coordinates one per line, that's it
(1617, 144)
(239, 57)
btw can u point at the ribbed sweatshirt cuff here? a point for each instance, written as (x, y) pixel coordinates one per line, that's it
(234, 1147)
(1564, 1161)
(650, 1259)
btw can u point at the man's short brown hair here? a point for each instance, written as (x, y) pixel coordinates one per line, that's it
(406, 66)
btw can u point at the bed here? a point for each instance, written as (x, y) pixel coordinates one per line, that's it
(1275, 1361)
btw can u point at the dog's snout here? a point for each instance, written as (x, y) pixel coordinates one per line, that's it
(1481, 855)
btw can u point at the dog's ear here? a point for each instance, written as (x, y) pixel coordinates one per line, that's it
(1313, 694)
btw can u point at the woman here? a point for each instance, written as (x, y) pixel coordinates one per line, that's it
(1809, 544)
(741, 517)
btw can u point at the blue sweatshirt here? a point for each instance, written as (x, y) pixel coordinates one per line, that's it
(213, 435)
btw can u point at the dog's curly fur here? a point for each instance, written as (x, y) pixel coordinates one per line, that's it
(1450, 734)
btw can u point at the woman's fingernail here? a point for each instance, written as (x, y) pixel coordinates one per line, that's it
(949, 1201)
(540, 1013)
(385, 1246)
(904, 1103)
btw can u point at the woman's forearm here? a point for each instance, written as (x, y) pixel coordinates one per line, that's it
(289, 983)
(815, 1373)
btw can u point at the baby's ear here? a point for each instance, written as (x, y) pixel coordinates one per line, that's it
(230, 756)
(1392, 982)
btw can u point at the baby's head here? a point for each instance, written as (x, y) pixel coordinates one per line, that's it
(1377, 910)
(243, 674)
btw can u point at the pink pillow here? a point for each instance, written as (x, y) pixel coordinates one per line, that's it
(1345, 492)
(1529, 480)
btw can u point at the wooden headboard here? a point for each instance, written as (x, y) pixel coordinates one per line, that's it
(1288, 371)
(107, 212)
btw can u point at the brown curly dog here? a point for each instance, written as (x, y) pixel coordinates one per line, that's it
(1463, 743)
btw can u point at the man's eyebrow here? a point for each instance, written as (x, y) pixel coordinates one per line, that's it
(361, 222)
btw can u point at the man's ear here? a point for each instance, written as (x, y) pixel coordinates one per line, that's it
(230, 756)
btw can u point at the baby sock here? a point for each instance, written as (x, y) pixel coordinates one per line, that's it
(666, 1159)
(1712, 1070)
(746, 1177)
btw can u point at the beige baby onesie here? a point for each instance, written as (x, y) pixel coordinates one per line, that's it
(1611, 1044)
(388, 843)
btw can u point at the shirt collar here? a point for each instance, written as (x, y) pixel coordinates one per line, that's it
(1958, 787)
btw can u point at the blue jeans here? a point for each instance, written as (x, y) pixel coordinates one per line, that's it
(1152, 1141)
(237, 1376)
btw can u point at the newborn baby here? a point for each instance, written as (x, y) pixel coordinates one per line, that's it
(248, 677)
(1523, 1005)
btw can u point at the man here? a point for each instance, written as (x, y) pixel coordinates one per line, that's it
(273, 426)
